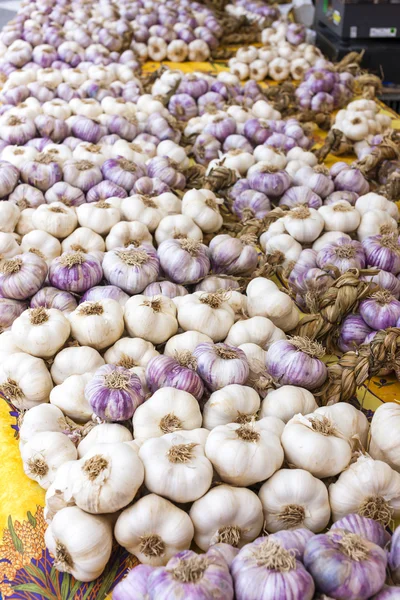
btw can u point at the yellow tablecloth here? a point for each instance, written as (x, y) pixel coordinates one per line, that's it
(26, 570)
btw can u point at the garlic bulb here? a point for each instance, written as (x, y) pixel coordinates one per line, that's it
(384, 439)
(340, 216)
(43, 417)
(105, 479)
(209, 314)
(56, 218)
(232, 404)
(244, 454)
(85, 240)
(43, 453)
(80, 543)
(99, 216)
(105, 433)
(151, 318)
(256, 330)
(231, 515)
(176, 468)
(202, 207)
(375, 222)
(185, 342)
(293, 498)
(264, 299)
(288, 401)
(126, 233)
(97, 324)
(178, 226)
(153, 530)
(75, 360)
(40, 331)
(166, 411)
(314, 444)
(130, 353)
(25, 380)
(70, 397)
(370, 488)
(304, 224)
(348, 420)
(37, 240)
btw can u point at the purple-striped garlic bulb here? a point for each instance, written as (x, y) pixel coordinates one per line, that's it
(344, 254)
(233, 256)
(297, 361)
(75, 271)
(184, 260)
(380, 310)
(177, 372)
(114, 393)
(221, 364)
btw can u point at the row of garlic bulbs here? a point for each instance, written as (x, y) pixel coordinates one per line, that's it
(276, 59)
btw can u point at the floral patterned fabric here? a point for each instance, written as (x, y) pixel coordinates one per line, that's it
(26, 569)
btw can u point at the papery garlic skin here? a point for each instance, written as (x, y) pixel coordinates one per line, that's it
(154, 529)
(166, 411)
(288, 401)
(97, 324)
(75, 361)
(250, 444)
(225, 513)
(368, 487)
(43, 417)
(153, 319)
(99, 482)
(41, 332)
(104, 433)
(80, 543)
(43, 453)
(294, 498)
(25, 380)
(232, 404)
(310, 443)
(383, 441)
(209, 314)
(69, 396)
(266, 300)
(175, 468)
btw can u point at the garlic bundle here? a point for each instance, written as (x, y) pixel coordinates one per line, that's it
(154, 529)
(80, 543)
(175, 468)
(293, 498)
(231, 515)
